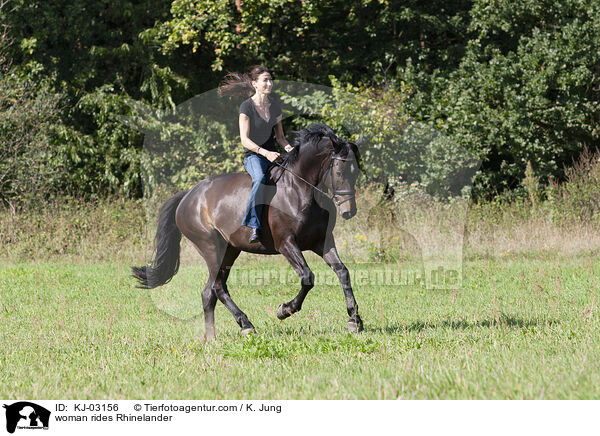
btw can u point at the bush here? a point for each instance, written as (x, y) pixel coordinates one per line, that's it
(578, 199)
(109, 229)
(28, 113)
(393, 145)
(526, 90)
(198, 139)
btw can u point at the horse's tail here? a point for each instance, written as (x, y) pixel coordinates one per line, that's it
(166, 244)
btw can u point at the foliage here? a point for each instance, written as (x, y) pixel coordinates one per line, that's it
(91, 55)
(578, 199)
(28, 115)
(355, 39)
(526, 90)
(395, 147)
(74, 228)
(507, 83)
(105, 159)
(183, 146)
(532, 186)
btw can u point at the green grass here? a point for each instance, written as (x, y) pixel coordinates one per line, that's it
(519, 328)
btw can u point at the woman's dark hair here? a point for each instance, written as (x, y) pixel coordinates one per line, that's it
(240, 85)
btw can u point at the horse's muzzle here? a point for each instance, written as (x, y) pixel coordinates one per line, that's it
(346, 206)
(348, 213)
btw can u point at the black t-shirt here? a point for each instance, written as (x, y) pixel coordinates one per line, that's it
(261, 131)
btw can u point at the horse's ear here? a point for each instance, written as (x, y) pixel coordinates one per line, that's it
(357, 155)
(337, 145)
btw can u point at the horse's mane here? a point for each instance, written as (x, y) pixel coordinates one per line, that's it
(307, 141)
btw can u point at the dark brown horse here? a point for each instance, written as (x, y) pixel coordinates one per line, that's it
(300, 216)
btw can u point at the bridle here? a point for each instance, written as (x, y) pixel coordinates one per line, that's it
(334, 192)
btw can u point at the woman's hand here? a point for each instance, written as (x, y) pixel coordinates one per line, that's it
(271, 155)
(288, 148)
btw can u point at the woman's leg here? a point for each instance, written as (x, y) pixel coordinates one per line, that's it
(257, 167)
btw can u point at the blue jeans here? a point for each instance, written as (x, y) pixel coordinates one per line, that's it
(257, 167)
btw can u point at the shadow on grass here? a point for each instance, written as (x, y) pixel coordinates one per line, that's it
(290, 330)
(502, 321)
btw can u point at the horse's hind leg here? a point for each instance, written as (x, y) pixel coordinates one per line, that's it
(209, 301)
(220, 289)
(219, 257)
(206, 247)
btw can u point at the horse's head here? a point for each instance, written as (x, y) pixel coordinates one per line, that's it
(335, 164)
(341, 176)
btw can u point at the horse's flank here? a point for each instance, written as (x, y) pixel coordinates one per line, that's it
(297, 219)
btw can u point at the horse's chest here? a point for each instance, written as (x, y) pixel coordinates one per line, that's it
(312, 230)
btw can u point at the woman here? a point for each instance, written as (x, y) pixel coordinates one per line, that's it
(260, 126)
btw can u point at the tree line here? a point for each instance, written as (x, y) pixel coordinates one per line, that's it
(512, 83)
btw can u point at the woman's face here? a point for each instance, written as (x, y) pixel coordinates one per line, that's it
(263, 84)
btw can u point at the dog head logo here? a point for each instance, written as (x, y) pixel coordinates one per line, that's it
(26, 415)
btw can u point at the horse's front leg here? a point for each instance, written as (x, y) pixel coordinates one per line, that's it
(290, 250)
(331, 257)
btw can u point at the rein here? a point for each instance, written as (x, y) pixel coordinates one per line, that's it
(335, 192)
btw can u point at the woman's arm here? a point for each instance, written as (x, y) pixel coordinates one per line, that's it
(249, 144)
(280, 137)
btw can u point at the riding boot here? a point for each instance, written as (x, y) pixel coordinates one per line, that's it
(254, 236)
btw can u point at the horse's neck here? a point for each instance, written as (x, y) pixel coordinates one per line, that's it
(310, 169)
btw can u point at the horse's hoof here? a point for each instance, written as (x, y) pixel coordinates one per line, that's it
(247, 331)
(355, 326)
(283, 312)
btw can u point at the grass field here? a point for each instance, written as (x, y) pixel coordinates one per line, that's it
(519, 328)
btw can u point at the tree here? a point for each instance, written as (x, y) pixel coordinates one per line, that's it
(356, 40)
(28, 110)
(527, 90)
